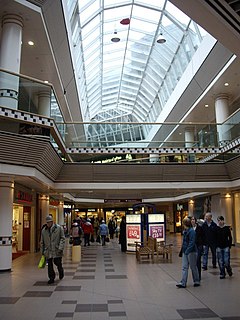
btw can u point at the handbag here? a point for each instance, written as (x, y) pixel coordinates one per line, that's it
(42, 262)
(107, 239)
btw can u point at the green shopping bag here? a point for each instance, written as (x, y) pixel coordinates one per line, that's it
(42, 262)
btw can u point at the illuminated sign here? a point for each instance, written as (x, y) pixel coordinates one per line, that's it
(24, 197)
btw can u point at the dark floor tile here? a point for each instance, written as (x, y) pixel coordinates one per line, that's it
(91, 307)
(117, 314)
(68, 288)
(69, 274)
(86, 270)
(105, 260)
(98, 307)
(114, 301)
(37, 294)
(116, 276)
(87, 265)
(197, 313)
(69, 302)
(109, 270)
(231, 318)
(83, 308)
(8, 300)
(84, 277)
(89, 260)
(108, 264)
(41, 284)
(65, 315)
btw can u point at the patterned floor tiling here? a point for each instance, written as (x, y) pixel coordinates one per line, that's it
(38, 294)
(202, 313)
(68, 288)
(9, 300)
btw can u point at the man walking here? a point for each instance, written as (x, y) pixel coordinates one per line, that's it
(209, 240)
(52, 246)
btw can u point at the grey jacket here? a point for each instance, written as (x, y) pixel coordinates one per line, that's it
(52, 241)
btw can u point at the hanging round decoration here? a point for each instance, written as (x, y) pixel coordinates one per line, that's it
(125, 21)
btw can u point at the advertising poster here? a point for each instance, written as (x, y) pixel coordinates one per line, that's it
(133, 234)
(157, 231)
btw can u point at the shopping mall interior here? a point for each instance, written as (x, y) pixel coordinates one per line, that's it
(114, 108)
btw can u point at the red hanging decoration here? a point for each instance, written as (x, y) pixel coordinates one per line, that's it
(125, 21)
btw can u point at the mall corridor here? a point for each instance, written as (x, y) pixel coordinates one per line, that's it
(109, 284)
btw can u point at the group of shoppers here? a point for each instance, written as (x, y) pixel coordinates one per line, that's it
(197, 240)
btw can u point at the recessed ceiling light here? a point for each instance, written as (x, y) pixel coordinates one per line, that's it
(31, 43)
(46, 81)
(206, 106)
(226, 84)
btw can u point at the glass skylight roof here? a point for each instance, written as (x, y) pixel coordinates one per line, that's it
(136, 75)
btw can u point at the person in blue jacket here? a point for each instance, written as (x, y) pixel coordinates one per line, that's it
(189, 255)
(103, 229)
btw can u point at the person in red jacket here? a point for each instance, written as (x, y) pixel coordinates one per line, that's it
(87, 231)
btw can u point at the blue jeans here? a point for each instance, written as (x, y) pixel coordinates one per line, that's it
(189, 260)
(205, 255)
(223, 256)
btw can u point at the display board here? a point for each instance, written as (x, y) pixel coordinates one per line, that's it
(156, 226)
(133, 230)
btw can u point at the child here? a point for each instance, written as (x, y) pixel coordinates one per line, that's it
(224, 242)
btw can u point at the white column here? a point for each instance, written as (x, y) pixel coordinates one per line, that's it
(6, 214)
(44, 206)
(61, 213)
(154, 158)
(44, 103)
(189, 142)
(222, 112)
(10, 58)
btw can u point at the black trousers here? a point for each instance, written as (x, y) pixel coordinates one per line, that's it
(58, 262)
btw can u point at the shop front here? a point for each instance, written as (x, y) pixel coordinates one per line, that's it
(23, 221)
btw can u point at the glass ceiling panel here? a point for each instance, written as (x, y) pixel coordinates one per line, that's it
(121, 64)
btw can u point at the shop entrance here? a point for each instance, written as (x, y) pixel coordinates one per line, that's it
(26, 228)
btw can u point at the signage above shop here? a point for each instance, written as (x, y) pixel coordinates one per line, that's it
(22, 196)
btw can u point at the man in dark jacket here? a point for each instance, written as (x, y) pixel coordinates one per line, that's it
(224, 242)
(209, 240)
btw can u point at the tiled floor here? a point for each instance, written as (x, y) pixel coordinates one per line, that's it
(109, 284)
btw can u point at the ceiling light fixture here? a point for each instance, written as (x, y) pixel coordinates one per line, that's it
(31, 43)
(161, 39)
(226, 84)
(115, 38)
